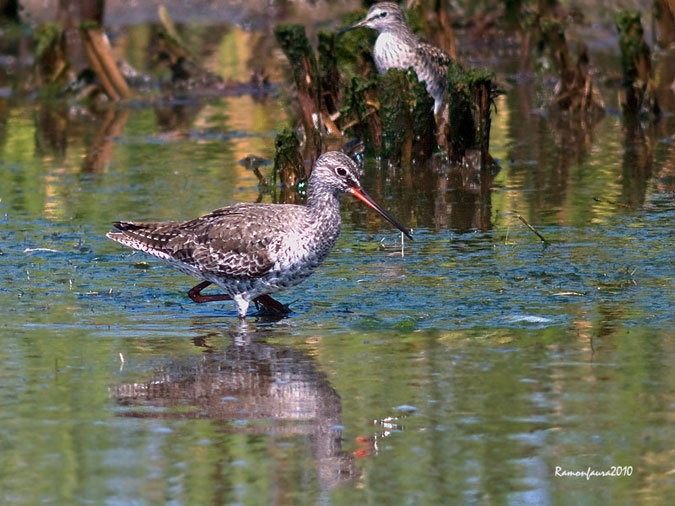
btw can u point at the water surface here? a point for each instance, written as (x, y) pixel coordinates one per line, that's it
(465, 370)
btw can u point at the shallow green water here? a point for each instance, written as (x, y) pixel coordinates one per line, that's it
(465, 371)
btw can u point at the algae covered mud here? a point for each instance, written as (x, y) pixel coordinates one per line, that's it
(481, 366)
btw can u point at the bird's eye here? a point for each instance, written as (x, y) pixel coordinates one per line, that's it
(341, 171)
(383, 15)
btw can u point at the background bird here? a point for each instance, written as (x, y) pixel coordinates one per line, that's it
(398, 47)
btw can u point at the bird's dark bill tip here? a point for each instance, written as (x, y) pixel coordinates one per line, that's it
(349, 28)
(367, 199)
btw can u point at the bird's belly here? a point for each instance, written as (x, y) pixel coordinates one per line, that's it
(282, 276)
(185, 268)
(294, 271)
(280, 280)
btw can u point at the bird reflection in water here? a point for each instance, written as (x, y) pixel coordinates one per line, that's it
(276, 389)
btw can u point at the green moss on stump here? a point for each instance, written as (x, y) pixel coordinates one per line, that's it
(47, 36)
(422, 117)
(329, 77)
(300, 55)
(360, 91)
(631, 43)
(394, 113)
(354, 49)
(470, 97)
(296, 47)
(288, 166)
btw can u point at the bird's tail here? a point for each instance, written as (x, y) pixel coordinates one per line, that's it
(151, 238)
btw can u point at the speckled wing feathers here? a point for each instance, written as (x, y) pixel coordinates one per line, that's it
(438, 59)
(240, 241)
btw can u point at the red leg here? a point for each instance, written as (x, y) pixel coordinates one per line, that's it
(195, 294)
(271, 305)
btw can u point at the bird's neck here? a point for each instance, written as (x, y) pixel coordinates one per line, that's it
(320, 197)
(401, 31)
(323, 205)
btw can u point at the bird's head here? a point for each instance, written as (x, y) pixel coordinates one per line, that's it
(381, 17)
(337, 171)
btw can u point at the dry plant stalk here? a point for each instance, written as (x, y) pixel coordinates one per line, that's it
(100, 56)
(527, 224)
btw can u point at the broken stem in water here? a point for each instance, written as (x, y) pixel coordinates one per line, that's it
(533, 229)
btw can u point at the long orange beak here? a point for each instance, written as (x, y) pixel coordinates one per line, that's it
(367, 199)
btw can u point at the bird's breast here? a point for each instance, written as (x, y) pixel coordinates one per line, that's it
(307, 247)
(391, 52)
(298, 256)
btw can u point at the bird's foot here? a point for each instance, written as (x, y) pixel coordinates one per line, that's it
(270, 306)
